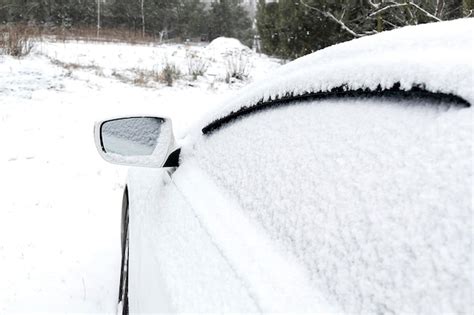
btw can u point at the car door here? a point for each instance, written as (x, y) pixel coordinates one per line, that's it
(175, 266)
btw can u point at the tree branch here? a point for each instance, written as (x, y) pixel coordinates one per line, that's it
(8, 6)
(378, 8)
(379, 11)
(390, 23)
(412, 17)
(329, 15)
(424, 11)
(373, 4)
(406, 4)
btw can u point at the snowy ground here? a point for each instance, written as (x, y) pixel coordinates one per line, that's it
(60, 203)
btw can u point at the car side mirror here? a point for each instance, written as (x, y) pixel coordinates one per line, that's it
(135, 141)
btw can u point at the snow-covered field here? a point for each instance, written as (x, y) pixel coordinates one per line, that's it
(60, 203)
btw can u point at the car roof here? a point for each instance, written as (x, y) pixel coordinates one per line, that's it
(435, 57)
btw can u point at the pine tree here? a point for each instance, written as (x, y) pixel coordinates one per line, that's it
(268, 20)
(289, 29)
(191, 19)
(228, 18)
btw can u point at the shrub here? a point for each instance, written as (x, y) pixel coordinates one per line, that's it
(16, 41)
(197, 66)
(237, 66)
(136, 76)
(169, 73)
(142, 78)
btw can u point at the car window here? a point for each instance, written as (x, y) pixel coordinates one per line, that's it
(373, 196)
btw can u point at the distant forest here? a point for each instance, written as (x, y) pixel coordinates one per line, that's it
(284, 28)
(162, 19)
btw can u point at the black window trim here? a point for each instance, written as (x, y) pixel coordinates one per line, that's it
(339, 92)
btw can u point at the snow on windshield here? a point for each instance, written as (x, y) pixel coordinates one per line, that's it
(373, 197)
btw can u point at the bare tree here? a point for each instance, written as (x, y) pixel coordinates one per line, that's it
(382, 14)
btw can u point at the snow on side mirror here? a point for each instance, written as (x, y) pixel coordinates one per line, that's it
(135, 141)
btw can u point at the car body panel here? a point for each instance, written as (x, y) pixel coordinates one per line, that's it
(275, 279)
(144, 295)
(234, 228)
(373, 196)
(175, 265)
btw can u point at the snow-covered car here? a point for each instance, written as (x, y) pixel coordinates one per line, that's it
(342, 183)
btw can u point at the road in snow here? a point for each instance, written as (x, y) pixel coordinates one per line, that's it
(60, 203)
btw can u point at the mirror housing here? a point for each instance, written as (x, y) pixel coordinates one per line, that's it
(143, 141)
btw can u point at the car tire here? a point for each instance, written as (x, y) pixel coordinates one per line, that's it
(123, 289)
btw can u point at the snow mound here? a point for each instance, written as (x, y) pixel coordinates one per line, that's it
(436, 56)
(226, 46)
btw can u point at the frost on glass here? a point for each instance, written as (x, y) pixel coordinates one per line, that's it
(131, 136)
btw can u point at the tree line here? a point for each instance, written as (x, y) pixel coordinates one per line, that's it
(292, 28)
(285, 28)
(158, 18)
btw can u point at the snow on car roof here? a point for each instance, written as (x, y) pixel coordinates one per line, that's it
(436, 57)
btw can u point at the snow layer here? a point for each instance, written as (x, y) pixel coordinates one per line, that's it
(121, 60)
(175, 265)
(372, 197)
(223, 46)
(134, 136)
(274, 279)
(436, 56)
(60, 202)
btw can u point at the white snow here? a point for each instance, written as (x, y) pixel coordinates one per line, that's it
(223, 46)
(120, 60)
(132, 136)
(372, 197)
(60, 202)
(276, 281)
(363, 206)
(437, 56)
(175, 265)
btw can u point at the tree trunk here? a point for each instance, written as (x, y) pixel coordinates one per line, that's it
(143, 17)
(379, 23)
(98, 18)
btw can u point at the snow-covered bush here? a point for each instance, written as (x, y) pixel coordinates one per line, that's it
(169, 73)
(148, 78)
(142, 78)
(197, 66)
(16, 41)
(237, 66)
